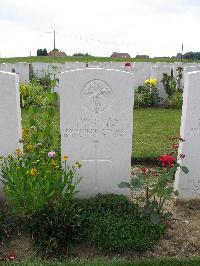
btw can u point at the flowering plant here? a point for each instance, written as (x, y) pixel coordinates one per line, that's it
(156, 185)
(34, 177)
(147, 95)
(151, 82)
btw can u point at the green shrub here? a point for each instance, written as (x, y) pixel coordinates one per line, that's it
(121, 233)
(111, 222)
(35, 94)
(147, 95)
(56, 226)
(176, 100)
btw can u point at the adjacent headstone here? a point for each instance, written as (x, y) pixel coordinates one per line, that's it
(188, 185)
(157, 72)
(10, 115)
(40, 69)
(22, 69)
(96, 108)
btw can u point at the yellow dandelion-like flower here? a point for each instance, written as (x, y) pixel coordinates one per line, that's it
(53, 163)
(33, 171)
(19, 152)
(29, 146)
(25, 133)
(78, 165)
(65, 158)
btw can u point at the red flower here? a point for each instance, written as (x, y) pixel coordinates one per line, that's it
(128, 64)
(182, 156)
(175, 146)
(11, 257)
(167, 160)
(144, 170)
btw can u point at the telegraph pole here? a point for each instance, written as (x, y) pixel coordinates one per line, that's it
(54, 42)
(182, 53)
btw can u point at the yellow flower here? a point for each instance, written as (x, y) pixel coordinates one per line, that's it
(53, 163)
(65, 158)
(25, 133)
(18, 152)
(78, 165)
(29, 147)
(151, 82)
(17, 167)
(33, 171)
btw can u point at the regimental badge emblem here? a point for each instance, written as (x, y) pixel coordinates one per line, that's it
(96, 95)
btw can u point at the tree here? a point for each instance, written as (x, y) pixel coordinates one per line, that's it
(81, 54)
(192, 55)
(41, 52)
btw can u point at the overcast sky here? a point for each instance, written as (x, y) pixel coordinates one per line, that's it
(99, 27)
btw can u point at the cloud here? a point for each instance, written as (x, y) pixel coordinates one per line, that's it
(99, 27)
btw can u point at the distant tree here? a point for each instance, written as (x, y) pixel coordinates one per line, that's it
(81, 54)
(41, 52)
(45, 52)
(192, 55)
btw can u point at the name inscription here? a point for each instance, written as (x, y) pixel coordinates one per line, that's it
(94, 128)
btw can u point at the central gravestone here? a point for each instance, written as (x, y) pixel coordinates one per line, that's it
(96, 127)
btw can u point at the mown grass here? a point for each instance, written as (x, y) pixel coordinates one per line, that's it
(142, 262)
(86, 59)
(153, 127)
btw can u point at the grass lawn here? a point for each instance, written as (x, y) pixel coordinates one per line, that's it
(142, 262)
(48, 59)
(152, 129)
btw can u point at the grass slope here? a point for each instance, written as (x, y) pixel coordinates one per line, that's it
(85, 59)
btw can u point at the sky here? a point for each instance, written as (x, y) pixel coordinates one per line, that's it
(99, 27)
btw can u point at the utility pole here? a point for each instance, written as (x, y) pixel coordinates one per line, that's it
(182, 53)
(54, 42)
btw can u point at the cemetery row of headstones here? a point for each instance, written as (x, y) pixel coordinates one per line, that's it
(96, 110)
(142, 70)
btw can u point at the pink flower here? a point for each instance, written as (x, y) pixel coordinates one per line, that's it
(11, 257)
(51, 154)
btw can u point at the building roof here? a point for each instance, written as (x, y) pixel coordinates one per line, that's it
(120, 55)
(57, 53)
(142, 56)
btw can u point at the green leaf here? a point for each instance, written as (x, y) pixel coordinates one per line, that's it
(176, 193)
(184, 169)
(137, 183)
(124, 185)
(155, 218)
(168, 215)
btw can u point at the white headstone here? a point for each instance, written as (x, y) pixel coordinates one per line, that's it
(10, 115)
(188, 185)
(40, 69)
(96, 127)
(22, 69)
(157, 72)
